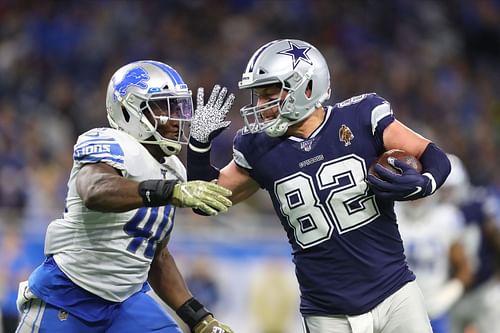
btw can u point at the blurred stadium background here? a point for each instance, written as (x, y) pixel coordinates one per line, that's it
(438, 62)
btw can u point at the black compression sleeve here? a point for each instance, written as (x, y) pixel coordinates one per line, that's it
(199, 167)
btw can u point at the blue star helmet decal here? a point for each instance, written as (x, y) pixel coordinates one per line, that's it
(297, 53)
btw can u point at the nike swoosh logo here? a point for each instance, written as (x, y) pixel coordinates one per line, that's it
(414, 192)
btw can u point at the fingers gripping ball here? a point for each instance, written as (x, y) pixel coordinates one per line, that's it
(388, 158)
(397, 176)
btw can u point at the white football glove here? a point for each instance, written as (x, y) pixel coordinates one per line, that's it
(209, 119)
(24, 294)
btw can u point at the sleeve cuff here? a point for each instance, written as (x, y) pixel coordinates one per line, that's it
(199, 147)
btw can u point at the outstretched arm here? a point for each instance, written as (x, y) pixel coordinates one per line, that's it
(208, 122)
(238, 181)
(103, 189)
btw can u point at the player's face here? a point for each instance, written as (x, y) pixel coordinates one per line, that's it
(170, 129)
(267, 94)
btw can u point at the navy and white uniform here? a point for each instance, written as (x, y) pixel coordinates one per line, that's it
(346, 245)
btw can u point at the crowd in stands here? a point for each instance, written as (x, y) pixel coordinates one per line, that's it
(438, 63)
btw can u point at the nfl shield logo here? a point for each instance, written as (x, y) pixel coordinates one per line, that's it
(306, 145)
(62, 315)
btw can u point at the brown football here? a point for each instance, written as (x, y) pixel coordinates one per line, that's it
(397, 154)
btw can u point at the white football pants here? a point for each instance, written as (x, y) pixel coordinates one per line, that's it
(402, 312)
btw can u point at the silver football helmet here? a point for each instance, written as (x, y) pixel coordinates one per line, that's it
(296, 66)
(140, 88)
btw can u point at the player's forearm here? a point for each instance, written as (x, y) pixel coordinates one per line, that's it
(442, 300)
(238, 181)
(167, 281)
(199, 167)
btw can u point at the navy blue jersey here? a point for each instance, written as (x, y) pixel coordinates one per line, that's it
(346, 245)
(477, 211)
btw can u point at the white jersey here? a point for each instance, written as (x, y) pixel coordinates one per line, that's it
(428, 230)
(109, 254)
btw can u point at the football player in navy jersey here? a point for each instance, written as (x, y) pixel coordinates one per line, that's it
(313, 159)
(480, 305)
(110, 245)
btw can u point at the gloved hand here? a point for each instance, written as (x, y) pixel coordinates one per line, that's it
(209, 119)
(206, 196)
(409, 185)
(211, 325)
(24, 294)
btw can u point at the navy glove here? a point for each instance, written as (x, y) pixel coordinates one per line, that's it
(409, 185)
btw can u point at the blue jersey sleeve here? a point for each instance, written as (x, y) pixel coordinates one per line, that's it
(240, 150)
(98, 146)
(376, 113)
(373, 114)
(248, 149)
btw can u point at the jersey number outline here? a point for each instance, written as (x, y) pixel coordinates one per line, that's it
(347, 206)
(145, 233)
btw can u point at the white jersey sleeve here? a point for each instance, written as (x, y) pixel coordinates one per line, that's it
(428, 235)
(109, 254)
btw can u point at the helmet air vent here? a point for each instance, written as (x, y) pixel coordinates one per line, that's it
(126, 115)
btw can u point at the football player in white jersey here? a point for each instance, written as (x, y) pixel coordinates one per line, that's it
(432, 232)
(110, 246)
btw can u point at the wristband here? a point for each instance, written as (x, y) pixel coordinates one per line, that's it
(192, 312)
(199, 147)
(156, 192)
(436, 165)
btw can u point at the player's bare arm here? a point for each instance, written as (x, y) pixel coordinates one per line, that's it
(168, 283)
(461, 265)
(103, 189)
(398, 136)
(238, 181)
(166, 280)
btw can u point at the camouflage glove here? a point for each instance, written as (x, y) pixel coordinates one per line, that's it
(211, 325)
(209, 119)
(206, 196)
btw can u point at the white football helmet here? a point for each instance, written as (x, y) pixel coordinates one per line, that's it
(141, 87)
(457, 186)
(296, 66)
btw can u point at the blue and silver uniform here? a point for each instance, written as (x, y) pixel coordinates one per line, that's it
(101, 258)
